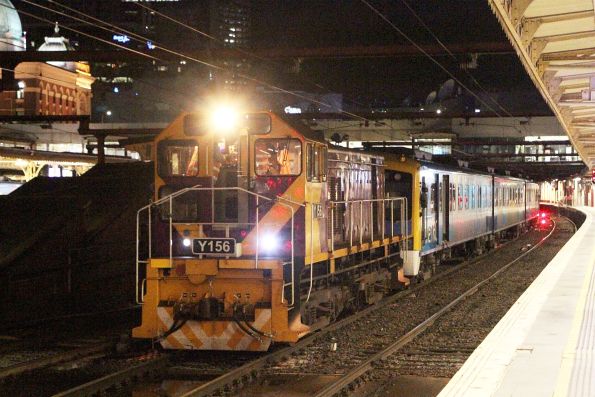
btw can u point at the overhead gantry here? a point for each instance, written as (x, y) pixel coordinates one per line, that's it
(555, 40)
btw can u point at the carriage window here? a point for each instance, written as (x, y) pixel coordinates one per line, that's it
(466, 196)
(453, 197)
(178, 158)
(278, 156)
(460, 196)
(472, 196)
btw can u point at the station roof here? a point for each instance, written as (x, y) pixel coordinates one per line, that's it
(555, 40)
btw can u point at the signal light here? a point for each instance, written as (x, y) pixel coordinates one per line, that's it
(543, 221)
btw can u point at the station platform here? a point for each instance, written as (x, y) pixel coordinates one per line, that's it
(545, 344)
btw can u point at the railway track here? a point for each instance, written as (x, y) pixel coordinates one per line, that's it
(224, 378)
(44, 359)
(440, 345)
(345, 352)
(359, 336)
(438, 356)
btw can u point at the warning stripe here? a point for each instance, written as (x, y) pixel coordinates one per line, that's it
(193, 336)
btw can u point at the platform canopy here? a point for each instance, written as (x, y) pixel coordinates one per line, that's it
(555, 40)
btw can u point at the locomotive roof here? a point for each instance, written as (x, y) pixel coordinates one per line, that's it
(303, 129)
(447, 167)
(300, 126)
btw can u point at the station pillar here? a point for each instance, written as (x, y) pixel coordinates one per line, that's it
(100, 148)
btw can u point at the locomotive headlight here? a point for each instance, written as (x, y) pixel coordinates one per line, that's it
(269, 243)
(224, 119)
(186, 242)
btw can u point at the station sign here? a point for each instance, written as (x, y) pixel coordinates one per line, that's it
(121, 38)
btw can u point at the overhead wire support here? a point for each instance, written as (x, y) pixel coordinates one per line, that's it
(211, 37)
(430, 57)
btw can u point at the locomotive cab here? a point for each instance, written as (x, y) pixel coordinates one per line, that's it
(220, 235)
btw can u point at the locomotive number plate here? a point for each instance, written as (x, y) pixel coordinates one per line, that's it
(214, 246)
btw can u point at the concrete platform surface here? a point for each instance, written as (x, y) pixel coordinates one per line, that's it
(545, 344)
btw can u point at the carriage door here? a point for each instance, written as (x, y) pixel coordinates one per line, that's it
(423, 204)
(445, 207)
(436, 199)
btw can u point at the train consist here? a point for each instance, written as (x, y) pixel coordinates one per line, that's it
(260, 232)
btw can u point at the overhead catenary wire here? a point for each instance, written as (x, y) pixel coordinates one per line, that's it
(159, 45)
(137, 98)
(429, 56)
(437, 39)
(81, 32)
(91, 36)
(182, 55)
(214, 38)
(237, 49)
(12, 44)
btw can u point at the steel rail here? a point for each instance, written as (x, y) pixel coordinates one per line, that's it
(250, 370)
(104, 383)
(54, 359)
(368, 365)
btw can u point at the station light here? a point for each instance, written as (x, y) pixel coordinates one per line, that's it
(438, 111)
(108, 113)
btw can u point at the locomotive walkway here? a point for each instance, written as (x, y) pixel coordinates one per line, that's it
(545, 345)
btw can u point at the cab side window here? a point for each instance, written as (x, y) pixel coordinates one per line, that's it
(310, 161)
(323, 163)
(316, 162)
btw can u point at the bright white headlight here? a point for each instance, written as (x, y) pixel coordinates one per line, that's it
(186, 242)
(269, 243)
(224, 119)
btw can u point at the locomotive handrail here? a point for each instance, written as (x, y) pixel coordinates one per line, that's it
(404, 213)
(284, 201)
(199, 188)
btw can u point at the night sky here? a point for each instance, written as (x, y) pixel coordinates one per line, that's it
(384, 81)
